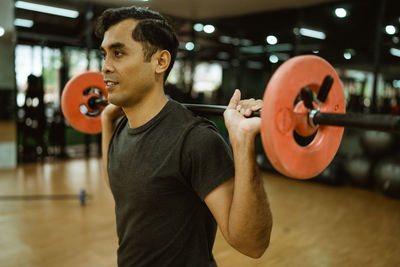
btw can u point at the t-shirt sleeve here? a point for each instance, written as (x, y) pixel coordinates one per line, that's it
(207, 160)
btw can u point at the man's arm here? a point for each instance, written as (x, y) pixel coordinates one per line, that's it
(240, 205)
(108, 119)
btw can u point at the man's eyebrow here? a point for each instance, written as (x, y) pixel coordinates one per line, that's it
(113, 46)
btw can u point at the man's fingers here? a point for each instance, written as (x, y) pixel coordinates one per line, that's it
(246, 106)
(249, 104)
(247, 112)
(257, 105)
(233, 103)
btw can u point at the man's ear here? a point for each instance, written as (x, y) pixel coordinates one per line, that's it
(163, 61)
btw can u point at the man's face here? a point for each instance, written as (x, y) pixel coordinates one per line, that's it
(128, 77)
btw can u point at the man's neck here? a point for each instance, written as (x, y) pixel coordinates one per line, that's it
(143, 111)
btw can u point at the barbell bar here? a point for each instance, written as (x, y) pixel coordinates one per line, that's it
(315, 117)
(212, 110)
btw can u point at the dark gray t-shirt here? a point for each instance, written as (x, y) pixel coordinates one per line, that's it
(159, 175)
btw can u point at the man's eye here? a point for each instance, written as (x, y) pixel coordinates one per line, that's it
(118, 53)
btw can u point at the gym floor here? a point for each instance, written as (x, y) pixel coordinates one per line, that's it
(314, 224)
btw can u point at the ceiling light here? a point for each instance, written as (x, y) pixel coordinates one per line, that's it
(271, 39)
(273, 59)
(340, 12)
(312, 33)
(47, 9)
(189, 46)
(347, 55)
(198, 27)
(209, 28)
(395, 52)
(281, 47)
(395, 39)
(255, 49)
(390, 29)
(27, 23)
(2, 31)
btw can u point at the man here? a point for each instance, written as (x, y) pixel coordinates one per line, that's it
(171, 174)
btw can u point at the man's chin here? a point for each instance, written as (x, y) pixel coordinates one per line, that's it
(114, 100)
(111, 99)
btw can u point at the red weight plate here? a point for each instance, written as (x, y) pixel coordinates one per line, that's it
(279, 118)
(73, 99)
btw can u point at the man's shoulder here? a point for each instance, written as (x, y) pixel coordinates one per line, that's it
(185, 116)
(204, 134)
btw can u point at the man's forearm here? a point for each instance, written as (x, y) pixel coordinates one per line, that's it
(250, 219)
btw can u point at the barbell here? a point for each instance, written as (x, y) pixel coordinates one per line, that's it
(304, 95)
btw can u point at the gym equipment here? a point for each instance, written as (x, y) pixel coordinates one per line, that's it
(387, 177)
(377, 143)
(359, 169)
(82, 197)
(280, 119)
(77, 98)
(299, 77)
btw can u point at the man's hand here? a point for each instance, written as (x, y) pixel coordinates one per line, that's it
(236, 121)
(109, 117)
(111, 113)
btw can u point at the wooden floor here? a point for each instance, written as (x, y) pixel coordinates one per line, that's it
(314, 224)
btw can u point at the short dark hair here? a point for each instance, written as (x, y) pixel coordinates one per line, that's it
(153, 30)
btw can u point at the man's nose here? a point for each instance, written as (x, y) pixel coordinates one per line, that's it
(107, 67)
